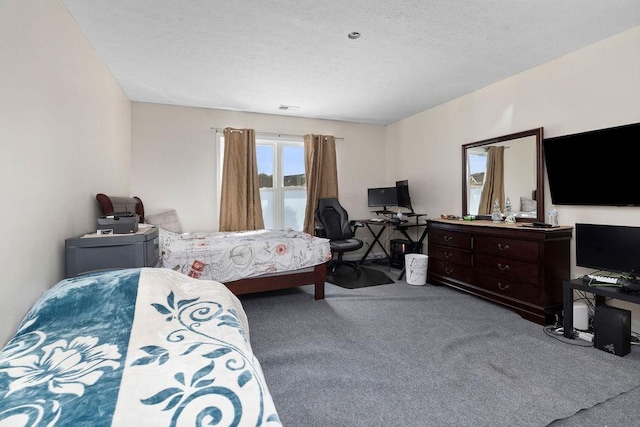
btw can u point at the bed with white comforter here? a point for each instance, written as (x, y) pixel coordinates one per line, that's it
(229, 256)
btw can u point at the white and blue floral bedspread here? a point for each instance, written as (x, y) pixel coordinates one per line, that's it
(135, 347)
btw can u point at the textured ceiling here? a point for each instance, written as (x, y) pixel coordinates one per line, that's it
(257, 55)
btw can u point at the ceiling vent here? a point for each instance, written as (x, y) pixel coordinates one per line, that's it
(288, 108)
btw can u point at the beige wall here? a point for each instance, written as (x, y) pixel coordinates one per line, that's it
(174, 160)
(64, 136)
(592, 88)
(596, 87)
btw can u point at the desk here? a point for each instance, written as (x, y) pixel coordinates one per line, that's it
(401, 227)
(600, 293)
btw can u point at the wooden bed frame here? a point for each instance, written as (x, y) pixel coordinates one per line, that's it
(317, 277)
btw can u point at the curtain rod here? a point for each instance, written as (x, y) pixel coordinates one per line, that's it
(218, 130)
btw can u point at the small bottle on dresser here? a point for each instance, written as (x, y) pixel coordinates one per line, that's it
(553, 216)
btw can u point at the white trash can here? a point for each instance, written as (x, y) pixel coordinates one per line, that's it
(416, 268)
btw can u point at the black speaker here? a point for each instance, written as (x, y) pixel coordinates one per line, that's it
(612, 330)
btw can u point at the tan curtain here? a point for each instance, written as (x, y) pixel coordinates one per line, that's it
(493, 187)
(321, 172)
(240, 207)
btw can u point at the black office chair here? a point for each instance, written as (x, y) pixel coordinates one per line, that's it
(332, 222)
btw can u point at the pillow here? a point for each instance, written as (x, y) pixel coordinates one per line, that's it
(528, 205)
(166, 220)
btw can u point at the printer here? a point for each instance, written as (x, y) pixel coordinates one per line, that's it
(118, 223)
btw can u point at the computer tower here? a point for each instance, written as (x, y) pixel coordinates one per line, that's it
(400, 247)
(612, 330)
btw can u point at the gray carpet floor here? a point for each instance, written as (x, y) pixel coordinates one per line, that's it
(402, 355)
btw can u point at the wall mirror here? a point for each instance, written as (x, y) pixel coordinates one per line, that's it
(508, 166)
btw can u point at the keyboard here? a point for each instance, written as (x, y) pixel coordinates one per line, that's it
(603, 279)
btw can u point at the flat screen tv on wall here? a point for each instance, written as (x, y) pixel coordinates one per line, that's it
(596, 168)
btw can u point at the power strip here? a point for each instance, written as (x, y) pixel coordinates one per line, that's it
(586, 336)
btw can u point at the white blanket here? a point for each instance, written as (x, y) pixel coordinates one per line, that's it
(229, 256)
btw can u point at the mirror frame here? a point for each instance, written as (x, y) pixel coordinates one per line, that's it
(538, 133)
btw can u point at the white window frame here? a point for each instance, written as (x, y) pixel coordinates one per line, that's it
(278, 142)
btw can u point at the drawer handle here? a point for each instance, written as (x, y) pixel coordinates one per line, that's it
(503, 287)
(503, 248)
(448, 238)
(503, 267)
(448, 270)
(448, 254)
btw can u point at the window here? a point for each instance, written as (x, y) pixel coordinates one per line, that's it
(283, 184)
(476, 167)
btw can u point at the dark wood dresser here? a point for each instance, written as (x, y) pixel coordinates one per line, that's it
(517, 266)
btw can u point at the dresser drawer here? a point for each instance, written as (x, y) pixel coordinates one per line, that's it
(454, 239)
(453, 271)
(507, 286)
(525, 271)
(503, 246)
(452, 255)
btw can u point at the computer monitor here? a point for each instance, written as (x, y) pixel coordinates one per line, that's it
(404, 199)
(382, 197)
(612, 248)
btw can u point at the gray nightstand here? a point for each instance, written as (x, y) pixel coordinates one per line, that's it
(92, 252)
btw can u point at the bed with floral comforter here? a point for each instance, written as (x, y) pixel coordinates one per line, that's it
(229, 256)
(134, 347)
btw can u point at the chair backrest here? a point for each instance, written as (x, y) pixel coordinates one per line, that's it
(334, 218)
